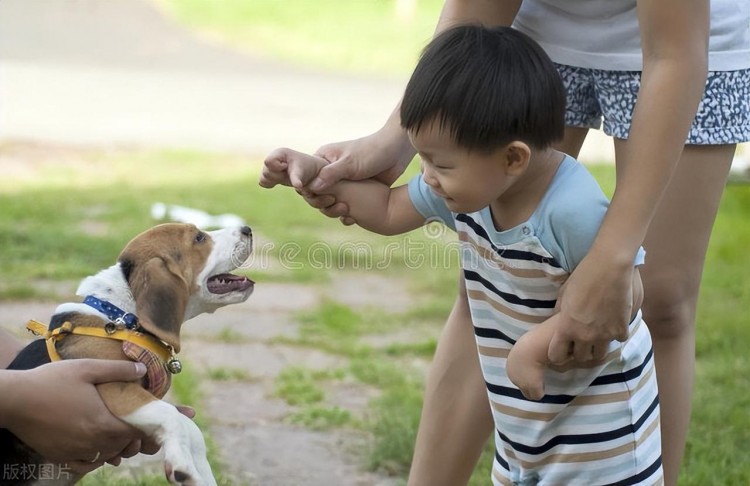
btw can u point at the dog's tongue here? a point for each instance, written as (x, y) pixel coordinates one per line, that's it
(226, 282)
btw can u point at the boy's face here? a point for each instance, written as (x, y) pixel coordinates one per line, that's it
(467, 181)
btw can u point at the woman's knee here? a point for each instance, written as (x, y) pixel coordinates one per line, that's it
(669, 309)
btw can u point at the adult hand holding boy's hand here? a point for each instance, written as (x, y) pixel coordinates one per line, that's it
(382, 156)
(595, 307)
(290, 168)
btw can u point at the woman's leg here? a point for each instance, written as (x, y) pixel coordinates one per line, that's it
(676, 245)
(456, 419)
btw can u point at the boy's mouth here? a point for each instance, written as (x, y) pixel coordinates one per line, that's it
(439, 194)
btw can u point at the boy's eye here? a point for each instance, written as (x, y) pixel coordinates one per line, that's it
(432, 164)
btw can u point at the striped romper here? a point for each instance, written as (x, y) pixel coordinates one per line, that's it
(594, 426)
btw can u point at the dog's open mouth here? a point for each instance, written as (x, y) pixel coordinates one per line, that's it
(226, 282)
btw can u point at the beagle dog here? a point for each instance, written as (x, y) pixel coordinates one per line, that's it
(134, 310)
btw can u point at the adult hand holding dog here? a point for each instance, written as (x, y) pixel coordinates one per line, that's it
(57, 410)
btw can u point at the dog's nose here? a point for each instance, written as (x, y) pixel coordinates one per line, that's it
(245, 230)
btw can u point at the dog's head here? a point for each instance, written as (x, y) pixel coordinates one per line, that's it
(177, 271)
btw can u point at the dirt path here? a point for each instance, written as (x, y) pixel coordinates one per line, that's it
(248, 422)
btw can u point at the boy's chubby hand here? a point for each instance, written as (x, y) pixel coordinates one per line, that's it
(527, 359)
(290, 168)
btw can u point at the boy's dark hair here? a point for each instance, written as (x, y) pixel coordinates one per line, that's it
(489, 87)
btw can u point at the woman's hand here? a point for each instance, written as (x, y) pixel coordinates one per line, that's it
(56, 409)
(379, 156)
(595, 307)
(382, 155)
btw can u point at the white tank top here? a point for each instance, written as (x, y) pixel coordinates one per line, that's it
(603, 34)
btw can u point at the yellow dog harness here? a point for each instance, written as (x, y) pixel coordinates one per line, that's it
(156, 355)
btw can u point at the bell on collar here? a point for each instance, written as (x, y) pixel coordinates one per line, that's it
(174, 366)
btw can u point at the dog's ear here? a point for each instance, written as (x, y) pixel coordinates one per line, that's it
(161, 294)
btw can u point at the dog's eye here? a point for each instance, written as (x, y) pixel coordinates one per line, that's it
(200, 237)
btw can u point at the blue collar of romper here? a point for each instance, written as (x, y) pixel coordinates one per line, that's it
(114, 313)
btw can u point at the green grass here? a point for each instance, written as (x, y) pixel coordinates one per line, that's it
(322, 418)
(381, 373)
(720, 429)
(425, 348)
(395, 428)
(360, 35)
(228, 374)
(228, 335)
(69, 220)
(303, 389)
(297, 386)
(112, 477)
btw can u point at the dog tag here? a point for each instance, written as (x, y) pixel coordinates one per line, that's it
(174, 366)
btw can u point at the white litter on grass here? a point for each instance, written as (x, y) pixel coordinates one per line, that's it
(198, 217)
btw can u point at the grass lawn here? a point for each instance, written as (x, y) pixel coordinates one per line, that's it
(62, 221)
(370, 36)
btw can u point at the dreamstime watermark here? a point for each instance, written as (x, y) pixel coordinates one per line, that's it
(36, 472)
(438, 248)
(357, 255)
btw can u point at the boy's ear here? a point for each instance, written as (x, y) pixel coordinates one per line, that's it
(517, 155)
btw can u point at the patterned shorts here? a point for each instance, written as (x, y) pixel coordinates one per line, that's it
(594, 94)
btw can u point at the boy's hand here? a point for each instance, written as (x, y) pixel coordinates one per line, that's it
(290, 168)
(527, 359)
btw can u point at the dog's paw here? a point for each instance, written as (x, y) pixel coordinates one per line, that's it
(178, 477)
(185, 457)
(186, 475)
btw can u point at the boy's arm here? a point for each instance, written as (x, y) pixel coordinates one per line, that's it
(378, 208)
